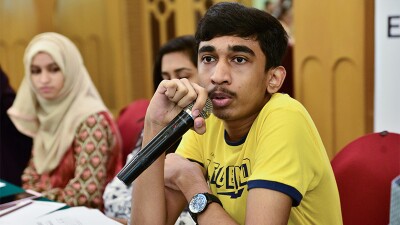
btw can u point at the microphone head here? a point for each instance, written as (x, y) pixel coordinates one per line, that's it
(205, 113)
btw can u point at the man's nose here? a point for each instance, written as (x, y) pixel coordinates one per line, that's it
(222, 73)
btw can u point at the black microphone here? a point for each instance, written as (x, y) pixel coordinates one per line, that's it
(168, 136)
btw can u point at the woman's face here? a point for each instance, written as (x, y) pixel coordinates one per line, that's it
(177, 65)
(46, 76)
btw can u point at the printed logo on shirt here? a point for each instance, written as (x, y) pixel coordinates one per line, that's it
(229, 180)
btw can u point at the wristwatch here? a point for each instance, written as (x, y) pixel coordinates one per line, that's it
(199, 203)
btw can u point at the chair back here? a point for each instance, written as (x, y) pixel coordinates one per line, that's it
(364, 170)
(130, 123)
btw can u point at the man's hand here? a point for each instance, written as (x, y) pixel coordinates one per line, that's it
(170, 98)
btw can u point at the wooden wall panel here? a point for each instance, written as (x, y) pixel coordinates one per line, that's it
(138, 50)
(316, 85)
(18, 24)
(84, 22)
(335, 85)
(348, 104)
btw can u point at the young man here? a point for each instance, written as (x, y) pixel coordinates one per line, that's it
(259, 158)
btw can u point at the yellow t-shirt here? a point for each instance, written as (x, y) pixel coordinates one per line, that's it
(282, 151)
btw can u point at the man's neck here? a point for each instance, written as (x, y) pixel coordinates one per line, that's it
(237, 129)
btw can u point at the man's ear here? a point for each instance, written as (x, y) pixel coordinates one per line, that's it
(276, 76)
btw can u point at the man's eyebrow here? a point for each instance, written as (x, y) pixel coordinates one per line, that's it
(207, 48)
(235, 48)
(241, 48)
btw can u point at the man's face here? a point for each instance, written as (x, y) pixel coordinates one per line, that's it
(232, 69)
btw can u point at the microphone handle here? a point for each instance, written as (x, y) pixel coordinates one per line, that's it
(156, 147)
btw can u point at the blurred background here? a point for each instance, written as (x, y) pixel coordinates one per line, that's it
(330, 62)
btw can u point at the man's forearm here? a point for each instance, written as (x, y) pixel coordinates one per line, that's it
(176, 203)
(148, 190)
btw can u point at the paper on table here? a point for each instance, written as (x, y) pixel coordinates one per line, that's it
(28, 213)
(75, 216)
(11, 207)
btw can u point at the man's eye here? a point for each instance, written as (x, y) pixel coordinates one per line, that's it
(239, 60)
(208, 59)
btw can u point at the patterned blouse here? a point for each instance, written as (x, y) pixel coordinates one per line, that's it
(86, 168)
(117, 196)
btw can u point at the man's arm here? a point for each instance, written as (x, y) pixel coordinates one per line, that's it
(176, 203)
(148, 191)
(189, 178)
(264, 206)
(150, 203)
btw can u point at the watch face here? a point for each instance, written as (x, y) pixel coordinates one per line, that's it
(198, 203)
